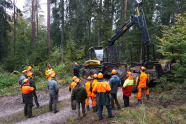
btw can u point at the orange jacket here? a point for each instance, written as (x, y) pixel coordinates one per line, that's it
(101, 87)
(93, 84)
(87, 87)
(27, 89)
(71, 87)
(142, 80)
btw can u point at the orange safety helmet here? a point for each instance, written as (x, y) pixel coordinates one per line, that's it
(89, 78)
(78, 80)
(129, 73)
(95, 75)
(30, 75)
(100, 75)
(113, 71)
(74, 78)
(29, 68)
(52, 74)
(143, 68)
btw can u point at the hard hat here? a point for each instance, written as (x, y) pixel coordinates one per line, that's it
(24, 71)
(52, 74)
(29, 68)
(129, 73)
(143, 68)
(100, 75)
(74, 78)
(26, 80)
(89, 78)
(95, 75)
(30, 75)
(113, 71)
(77, 80)
(49, 66)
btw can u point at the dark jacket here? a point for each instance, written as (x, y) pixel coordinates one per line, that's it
(76, 70)
(53, 87)
(102, 89)
(32, 84)
(114, 83)
(27, 93)
(79, 93)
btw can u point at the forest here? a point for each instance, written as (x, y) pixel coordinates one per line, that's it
(76, 25)
(64, 38)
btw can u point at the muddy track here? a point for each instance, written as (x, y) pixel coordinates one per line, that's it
(12, 104)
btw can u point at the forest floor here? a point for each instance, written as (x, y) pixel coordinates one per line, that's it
(159, 108)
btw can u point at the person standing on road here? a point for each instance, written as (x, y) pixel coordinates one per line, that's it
(94, 95)
(53, 92)
(114, 83)
(21, 78)
(76, 70)
(102, 90)
(141, 82)
(87, 87)
(71, 87)
(79, 94)
(32, 84)
(127, 88)
(28, 98)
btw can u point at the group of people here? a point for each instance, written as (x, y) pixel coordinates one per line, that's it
(28, 87)
(96, 89)
(104, 93)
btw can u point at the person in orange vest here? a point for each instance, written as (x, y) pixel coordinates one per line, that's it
(94, 95)
(48, 72)
(28, 98)
(71, 87)
(127, 88)
(102, 90)
(29, 70)
(87, 87)
(141, 81)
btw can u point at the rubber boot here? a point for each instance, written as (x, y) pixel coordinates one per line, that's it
(148, 97)
(139, 101)
(88, 108)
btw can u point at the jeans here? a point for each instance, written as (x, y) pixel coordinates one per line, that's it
(53, 100)
(100, 110)
(114, 98)
(35, 98)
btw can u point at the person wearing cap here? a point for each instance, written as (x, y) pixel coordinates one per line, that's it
(71, 87)
(114, 83)
(48, 72)
(21, 78)
(32, 84)
(87, 87)
(27, 91)
(76, 70)
(79, 94)
(141, 82)
(102, 90)
(95, 76)
(53, 89)
(127, 88)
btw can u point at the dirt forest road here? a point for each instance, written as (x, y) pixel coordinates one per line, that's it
(12, 104)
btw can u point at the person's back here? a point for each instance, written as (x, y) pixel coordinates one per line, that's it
(143, 80)
(114, 83)
(52, 86)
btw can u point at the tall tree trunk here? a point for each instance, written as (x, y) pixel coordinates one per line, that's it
(14, 30)
(48, 27)
(33, 22)
(62, 30)
(89, 32)
(76, 24)
(125, 10)
(37, 21)
(100, 23)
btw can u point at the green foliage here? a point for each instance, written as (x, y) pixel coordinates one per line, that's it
(173, 42)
